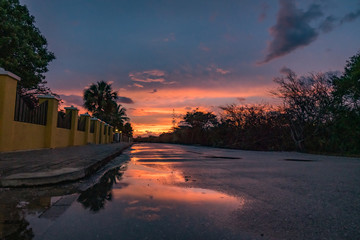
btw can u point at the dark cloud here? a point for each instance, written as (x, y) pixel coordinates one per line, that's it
(328, 24)
(154, 91)
(292, 29)
(286, 70)
(125, 100)
(331, 22)
(72, 99)
(350, 17)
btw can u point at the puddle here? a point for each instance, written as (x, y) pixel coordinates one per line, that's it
(139, 201)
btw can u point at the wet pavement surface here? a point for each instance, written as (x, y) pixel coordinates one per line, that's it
(162, 191)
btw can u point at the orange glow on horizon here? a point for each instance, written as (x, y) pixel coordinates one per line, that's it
(151, 114)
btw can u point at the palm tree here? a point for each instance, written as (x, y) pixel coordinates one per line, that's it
(99, 99)
(118, 116)
(128, 130)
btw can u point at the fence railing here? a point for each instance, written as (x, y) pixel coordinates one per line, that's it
(64, 120)
(92, 126)
(81, 124)
(23, 113)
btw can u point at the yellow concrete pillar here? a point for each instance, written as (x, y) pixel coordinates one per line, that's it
(51, 119)
(87, 127)
(74, 123)
(8, 84)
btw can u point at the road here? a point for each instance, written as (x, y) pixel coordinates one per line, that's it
(163, 191)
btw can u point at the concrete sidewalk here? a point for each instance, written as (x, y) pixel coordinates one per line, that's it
(51, 166)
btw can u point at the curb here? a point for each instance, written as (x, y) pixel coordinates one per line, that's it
(57, 176)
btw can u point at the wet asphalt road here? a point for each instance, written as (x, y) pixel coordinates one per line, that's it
(162, 191)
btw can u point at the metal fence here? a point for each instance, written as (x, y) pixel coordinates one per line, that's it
(92, 126)
(64, 120)
(81, 124)
(23, 113)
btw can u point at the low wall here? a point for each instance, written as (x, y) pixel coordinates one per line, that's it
(62, 137)
(26, 136)
(22, 135)
(80, 138)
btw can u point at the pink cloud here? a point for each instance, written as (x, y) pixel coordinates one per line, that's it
(214, 68)
(138, 85)
(170, 37)
(222, 71)
(203, 47)
(148, 76)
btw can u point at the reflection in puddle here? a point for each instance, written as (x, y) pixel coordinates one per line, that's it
(140, 201)
(146, 181)
(95, 197)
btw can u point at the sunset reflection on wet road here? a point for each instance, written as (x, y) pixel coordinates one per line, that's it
(142, 199)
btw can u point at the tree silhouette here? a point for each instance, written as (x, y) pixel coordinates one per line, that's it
(99, 99)
(118, 117)
(347, 86)
(306, 103)
(23, 49)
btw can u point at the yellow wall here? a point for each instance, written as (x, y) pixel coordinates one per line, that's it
(27, 136)
(91, 138)
(7, 108)
(16, 135)
(62, 136)
(80, 138)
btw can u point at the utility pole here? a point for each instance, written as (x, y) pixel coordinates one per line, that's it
(173, 119)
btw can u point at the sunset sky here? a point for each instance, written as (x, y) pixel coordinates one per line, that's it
(178, 54)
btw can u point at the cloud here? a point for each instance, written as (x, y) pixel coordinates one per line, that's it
(169, 83)
(125, 100)
(240, 99)
(72, 99)
(328, 24)
(203, 47)
(286, 71)
(222, 71)
(138, 85)
(169, 38)
(331, 22)
(292, 29)
(148, 76)
(154, 91)
(350, 17)
(214, 68)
